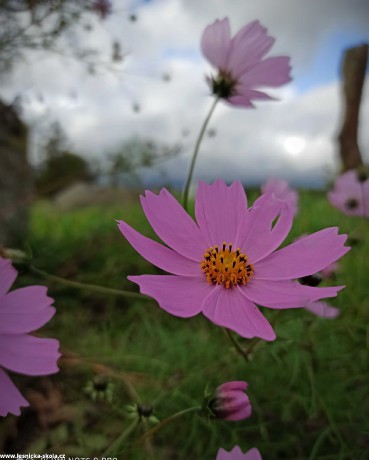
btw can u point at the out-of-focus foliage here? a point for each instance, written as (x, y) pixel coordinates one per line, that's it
(61, 167)
(51, 25)
(134, 154)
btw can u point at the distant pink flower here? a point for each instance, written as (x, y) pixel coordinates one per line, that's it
(102, 7)
(323, 310)
(240, 61)
(227, 262)
(351, 194)
(283, 191)
(230, 401)
(237, 454)
(22, 311)
(330, 271)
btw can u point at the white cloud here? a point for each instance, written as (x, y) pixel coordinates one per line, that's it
(96, 112)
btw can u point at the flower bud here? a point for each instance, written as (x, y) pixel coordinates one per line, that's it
(230, 401)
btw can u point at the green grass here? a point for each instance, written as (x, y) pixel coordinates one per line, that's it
(309, 389)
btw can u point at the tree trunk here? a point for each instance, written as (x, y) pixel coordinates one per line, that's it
(353, 70)
(15, 178)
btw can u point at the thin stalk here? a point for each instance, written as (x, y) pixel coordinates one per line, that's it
(86, 286)
(236, 345)
(167, 420)
(119, 441)
(195, 153)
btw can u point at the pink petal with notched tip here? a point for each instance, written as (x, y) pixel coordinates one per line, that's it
(276, 294)
(178, 295)
(215, 42)
(11, 399)
(259, 236)
(247, 48)
(230, 309)
(237, 454)
(220, 210)
(274, 71)
(283, 294)
(304, 257)
(173, 225)
(25, 310)
(159, 255)
(8, 275)
(29, 355)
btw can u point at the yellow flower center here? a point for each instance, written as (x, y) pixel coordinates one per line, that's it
(227, 267)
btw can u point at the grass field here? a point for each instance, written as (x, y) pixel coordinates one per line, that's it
(309, 389)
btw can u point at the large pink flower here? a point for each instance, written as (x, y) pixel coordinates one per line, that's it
(237, 454)
(22, 311)
(242, 68)
(351, 194)
(227, 262)
(283, 191)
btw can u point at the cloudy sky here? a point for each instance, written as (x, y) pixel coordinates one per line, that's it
(292, 138)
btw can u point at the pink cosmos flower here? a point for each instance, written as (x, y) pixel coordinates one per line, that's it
(226, 262)
(22, 311)
(242, 68)
(351, 194)
(230, 402)
(237, 454)
(283, 191)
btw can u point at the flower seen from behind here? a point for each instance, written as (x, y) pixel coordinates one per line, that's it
(230, 401)
(350, 193)
(22, 311)
(283, 191)
(237, 454)
(241, 63)
(227, 262)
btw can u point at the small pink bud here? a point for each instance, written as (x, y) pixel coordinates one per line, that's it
(230, 401)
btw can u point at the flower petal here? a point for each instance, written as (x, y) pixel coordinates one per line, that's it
(159, 255)
(248, 46)
(8, 275)
(237, 454)
(220, 210)
(215, 42)
(25, 310)
(178, 295)
(11, 399)
(253, 454)
(274, 71)
(240, 100)
(340, 200)
(317, 293)
(245, 96)
(173, 225)
(29, 355)
(323, 310)
(276, 294)
(260, 236)
(306, 256)
(230, 309)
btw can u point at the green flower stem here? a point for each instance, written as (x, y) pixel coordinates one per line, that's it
(114, 447)
(87, 287)
(168, 420)
(195, 153)
(238, 348)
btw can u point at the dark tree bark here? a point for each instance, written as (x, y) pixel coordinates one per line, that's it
(353, 70)
(15, 178)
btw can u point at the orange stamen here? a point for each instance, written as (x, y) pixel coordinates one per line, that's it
(227, 267)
